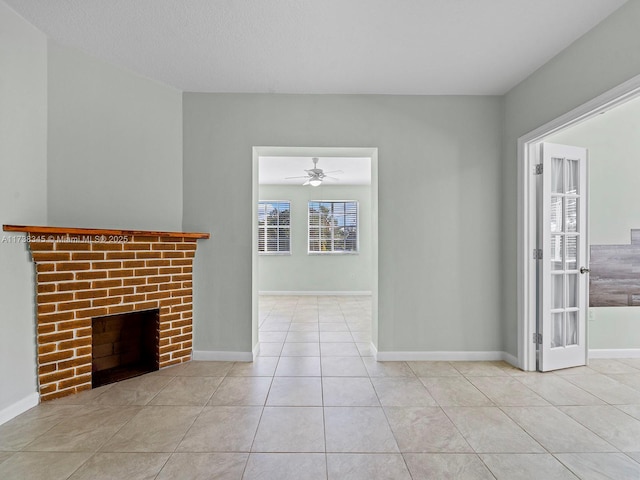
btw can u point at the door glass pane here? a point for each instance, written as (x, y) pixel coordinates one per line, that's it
(557, 177)
(571, 215)
(556, 252)
(572, 291)
(572, 328)
(556, 214)
(557, 334)
(572, 176)
(572, 252)
(557, 292)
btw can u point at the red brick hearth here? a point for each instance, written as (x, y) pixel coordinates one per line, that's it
(86, 273)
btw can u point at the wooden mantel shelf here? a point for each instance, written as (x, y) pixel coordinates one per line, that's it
(33, 229)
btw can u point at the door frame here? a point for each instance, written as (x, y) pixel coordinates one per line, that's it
(370, 152)
(528, 153)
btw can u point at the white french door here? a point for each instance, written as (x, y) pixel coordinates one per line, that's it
(563, 268)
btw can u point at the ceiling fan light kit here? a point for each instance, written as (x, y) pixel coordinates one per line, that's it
(315, 175)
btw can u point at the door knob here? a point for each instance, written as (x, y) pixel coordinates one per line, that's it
(584, 270)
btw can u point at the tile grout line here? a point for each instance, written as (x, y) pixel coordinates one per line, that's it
(174, 378)
(324, 417)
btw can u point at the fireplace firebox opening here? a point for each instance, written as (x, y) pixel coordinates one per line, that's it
(124, 345)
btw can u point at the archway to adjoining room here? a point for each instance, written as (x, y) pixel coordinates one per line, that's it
(292, 256)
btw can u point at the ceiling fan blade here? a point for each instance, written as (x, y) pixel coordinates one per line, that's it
(303, 176)
(331, 178)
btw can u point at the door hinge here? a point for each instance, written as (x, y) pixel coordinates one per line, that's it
(537, 338)
(537, 169)
(537, 254)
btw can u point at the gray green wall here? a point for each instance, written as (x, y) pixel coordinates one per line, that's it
(439, 173)
(613, 141)
(447, 273)
(23, 197)
(115, 146)
(603, 58)
(82, 143)
(301, 272)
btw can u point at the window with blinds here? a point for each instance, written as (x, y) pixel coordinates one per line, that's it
(333, 227)
(274, 227)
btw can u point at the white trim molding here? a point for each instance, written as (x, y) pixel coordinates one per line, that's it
(218, 356)
(319, 293)
(256, 351)
(19, 407)
(510, 359)
(614, 353)
(445, 356)
(374, 351)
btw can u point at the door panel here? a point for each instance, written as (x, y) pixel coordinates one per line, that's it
(563, 288)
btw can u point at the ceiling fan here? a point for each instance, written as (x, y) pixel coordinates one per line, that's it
(315, 175)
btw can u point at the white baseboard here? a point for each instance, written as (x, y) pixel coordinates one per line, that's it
(510, 359)
(19, 407)
(443, 356)
(215, 356)
(374, 350)
(319, 293)
(256, 351)
(614, 353)
(440, 356)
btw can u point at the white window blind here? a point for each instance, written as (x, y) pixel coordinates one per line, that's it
(274, 227)
(333, 227)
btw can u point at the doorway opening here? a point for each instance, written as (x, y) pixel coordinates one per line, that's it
(315, 226)
(529, 207)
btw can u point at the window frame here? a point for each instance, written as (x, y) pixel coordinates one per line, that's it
(333, 252)
(277, 253)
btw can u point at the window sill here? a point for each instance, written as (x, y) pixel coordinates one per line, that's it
(332, 253)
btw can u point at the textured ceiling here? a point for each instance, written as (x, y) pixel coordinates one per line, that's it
(322, 46)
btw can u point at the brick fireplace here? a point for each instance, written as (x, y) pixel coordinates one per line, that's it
(82, 274)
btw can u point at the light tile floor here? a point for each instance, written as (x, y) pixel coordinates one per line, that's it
(316, 405)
